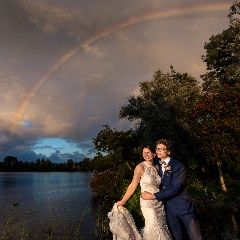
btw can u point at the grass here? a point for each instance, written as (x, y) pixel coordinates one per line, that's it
(19, 226)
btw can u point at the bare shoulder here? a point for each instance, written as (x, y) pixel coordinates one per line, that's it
(140, 167)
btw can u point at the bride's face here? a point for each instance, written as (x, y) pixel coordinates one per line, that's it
(148, 155)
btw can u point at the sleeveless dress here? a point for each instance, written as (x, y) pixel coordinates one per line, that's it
(122, 224)
(153, 211)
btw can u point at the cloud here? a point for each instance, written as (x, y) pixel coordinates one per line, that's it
(66, 67)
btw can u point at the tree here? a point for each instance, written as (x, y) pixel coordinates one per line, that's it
(223, 53)
(11, 163)
(119, 145)
(218, 126)
(217, 115)
(101, 163)
(85, 164)
(163, 109)
(70, 164)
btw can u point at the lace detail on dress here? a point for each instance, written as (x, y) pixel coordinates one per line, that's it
(150, 180)
(153, 211)
(122, 224)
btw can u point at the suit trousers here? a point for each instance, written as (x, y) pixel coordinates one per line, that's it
(190, 222)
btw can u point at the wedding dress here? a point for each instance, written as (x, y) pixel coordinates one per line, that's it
(122, 224)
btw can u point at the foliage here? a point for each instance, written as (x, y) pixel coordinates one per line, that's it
(213, 207)
(102, 230)
(218, 126)
(110, 186)
(163, 110)
(133, 206)
(84, 165)
(19, 226)
(120, 144)
(110, 183)
(10, 162)
(216, 116)
(223, 53)
(16, 225)
(101, 163)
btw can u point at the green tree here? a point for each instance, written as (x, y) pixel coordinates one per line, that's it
(85, 164)
(163, 109)
(10, 163)
(101, 163)
(223, 53)
(70, 164)
(217, 114)
(218, 126)
(118, 144)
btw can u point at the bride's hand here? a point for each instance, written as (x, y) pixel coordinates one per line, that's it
(120, 203)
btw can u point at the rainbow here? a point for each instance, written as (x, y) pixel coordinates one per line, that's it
(130, 22)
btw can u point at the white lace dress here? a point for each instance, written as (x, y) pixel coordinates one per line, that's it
(122, 224)
(153, 211)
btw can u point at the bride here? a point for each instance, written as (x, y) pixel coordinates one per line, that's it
(153, 211)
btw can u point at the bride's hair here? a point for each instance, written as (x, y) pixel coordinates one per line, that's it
(150, 147)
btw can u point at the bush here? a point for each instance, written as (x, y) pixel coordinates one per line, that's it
(216, 211)
(111, 183)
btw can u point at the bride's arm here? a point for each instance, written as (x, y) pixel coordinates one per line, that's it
(133, 185)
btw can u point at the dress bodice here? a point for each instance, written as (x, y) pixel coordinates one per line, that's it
(150, 179)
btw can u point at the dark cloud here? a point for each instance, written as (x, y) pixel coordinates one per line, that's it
(57, 157)
(66, 67)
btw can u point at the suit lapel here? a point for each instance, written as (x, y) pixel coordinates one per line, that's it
(163, 176)
(160, 169)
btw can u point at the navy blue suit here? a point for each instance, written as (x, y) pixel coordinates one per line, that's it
(179, 206)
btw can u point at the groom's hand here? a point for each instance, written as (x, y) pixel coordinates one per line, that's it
(147, 196)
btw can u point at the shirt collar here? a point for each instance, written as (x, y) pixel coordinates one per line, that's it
(166, 160)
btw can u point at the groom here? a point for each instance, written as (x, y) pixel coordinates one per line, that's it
(173, 191)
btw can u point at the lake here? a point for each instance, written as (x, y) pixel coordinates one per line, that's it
(41, 201)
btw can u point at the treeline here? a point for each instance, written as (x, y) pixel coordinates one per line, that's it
(12, 164)
(98, 164)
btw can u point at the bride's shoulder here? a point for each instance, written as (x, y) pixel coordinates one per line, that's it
(140, 167)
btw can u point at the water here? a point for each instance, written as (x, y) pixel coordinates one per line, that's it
(47, 199)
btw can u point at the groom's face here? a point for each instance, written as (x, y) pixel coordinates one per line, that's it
(162, 151)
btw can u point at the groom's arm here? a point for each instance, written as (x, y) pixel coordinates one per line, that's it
(175, 187)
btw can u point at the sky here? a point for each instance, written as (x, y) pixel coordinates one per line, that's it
(67, 66)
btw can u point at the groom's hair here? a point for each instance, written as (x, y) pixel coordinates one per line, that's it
(167, 143)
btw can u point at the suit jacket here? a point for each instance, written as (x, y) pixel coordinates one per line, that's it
(173, 190)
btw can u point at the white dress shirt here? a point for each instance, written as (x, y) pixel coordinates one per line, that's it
(164, 164)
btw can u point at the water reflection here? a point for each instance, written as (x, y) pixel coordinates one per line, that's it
(8, 181)
(49, 197)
